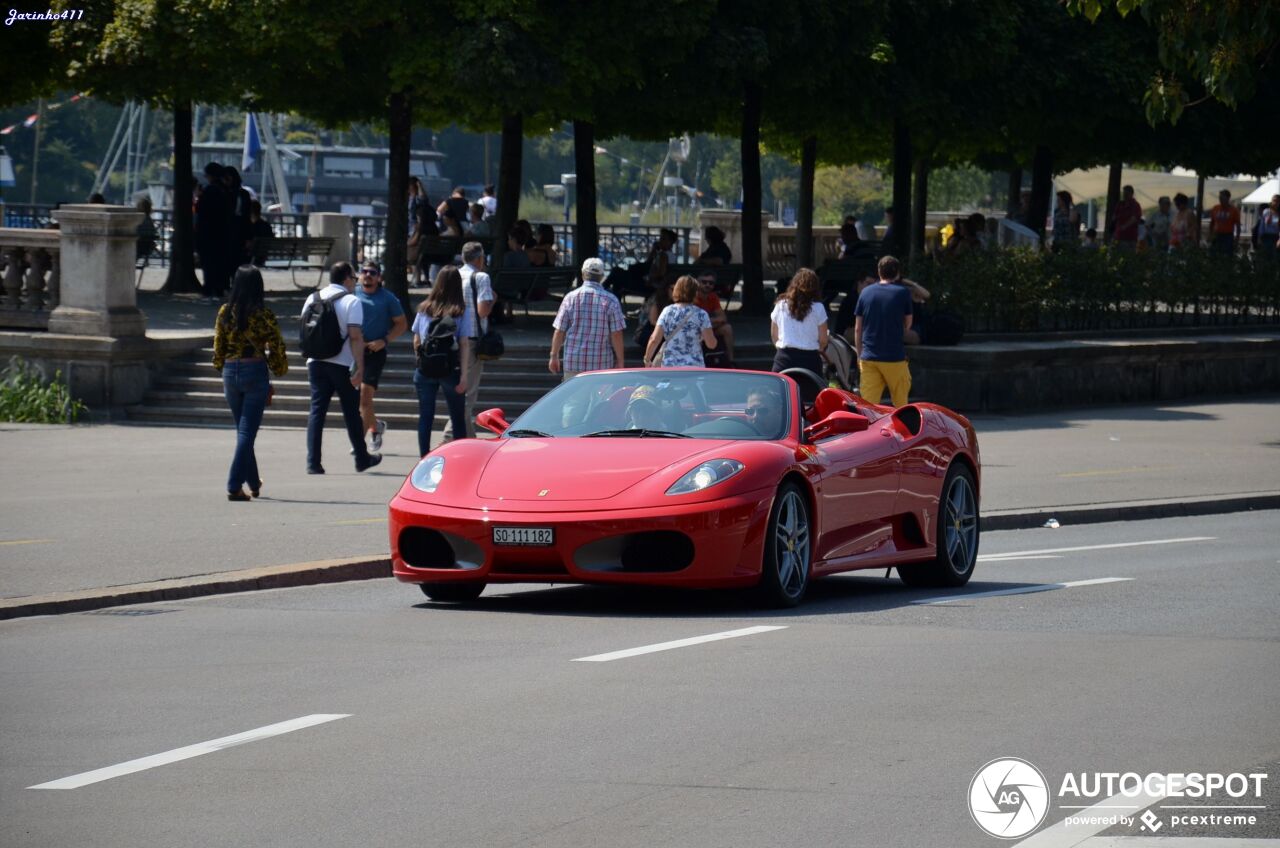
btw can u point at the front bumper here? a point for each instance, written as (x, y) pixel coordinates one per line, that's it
(710, 544)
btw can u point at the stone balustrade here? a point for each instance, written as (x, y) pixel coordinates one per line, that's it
(30, 283)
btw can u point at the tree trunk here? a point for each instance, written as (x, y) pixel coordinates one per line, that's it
(395, 256)
(182, 263)
(586, 241)
(1113, 197)
(919, 205)
(1041, 188)
(804, 216)
(1014, 205)
(897, 245)
(753, 301)
(1195, 236)
(510, 161)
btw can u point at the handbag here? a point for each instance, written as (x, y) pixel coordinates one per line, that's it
(657, 355)
(489, 344)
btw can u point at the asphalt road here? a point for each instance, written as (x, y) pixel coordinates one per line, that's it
(861, 720)
(97, 506)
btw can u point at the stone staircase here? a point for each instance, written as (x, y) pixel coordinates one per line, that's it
(189, 391)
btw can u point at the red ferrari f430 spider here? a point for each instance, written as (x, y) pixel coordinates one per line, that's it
(693, 478)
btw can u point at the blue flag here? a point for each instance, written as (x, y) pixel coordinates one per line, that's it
(252, 147)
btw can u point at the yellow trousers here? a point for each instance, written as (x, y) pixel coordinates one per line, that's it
(876, 376)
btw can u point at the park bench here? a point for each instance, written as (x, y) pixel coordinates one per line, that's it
(523, 285)
(308, 252)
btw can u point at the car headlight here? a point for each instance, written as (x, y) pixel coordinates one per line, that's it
(426, 476)
(706, 475)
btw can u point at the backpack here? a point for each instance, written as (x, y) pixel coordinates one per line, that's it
(319, 336)
(438, 355)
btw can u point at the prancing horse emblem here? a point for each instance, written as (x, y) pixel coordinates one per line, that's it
(543, 493)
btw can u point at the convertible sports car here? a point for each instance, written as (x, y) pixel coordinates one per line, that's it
(696, 478)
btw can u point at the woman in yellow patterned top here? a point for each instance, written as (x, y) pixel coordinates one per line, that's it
(246, 342)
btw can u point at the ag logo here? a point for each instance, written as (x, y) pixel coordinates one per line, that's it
(1008, 798)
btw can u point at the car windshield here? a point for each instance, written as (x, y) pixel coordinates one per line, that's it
(661, 403)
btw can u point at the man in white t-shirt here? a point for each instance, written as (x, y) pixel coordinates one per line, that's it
(489, 201)
(474, 322)
(341, 373)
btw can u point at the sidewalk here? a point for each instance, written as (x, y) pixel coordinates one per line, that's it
(89, 507)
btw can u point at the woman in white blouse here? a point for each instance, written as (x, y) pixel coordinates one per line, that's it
(799, 324)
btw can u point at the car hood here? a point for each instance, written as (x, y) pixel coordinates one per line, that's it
(551, 470)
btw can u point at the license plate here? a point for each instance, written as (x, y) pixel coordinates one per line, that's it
(525, 536)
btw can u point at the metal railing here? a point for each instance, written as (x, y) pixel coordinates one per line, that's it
(368, 238)
(620, 244)
(27, 216)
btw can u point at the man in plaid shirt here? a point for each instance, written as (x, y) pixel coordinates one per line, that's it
(588, 327)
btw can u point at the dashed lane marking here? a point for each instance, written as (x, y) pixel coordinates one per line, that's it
(679, 643)
(1020, 590)
(76, 781)
(1010, 554)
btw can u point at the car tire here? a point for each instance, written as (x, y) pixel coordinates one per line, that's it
(958, 531)
(788, 549)
(455, 591)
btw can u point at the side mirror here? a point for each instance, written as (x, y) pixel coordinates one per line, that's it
(493, 420)
(838, 423)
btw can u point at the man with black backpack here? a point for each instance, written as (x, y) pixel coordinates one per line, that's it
(331, 339)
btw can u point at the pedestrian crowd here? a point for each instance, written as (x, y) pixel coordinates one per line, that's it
(1171, 226)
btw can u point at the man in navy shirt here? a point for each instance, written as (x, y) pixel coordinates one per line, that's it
(883, 315)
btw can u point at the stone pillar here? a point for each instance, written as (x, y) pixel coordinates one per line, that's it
(336, 226)
(97, 295)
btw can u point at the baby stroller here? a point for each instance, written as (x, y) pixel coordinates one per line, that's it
(841, 363)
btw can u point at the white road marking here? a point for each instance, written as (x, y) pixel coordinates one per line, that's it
(1021, 590)
(997, 558)
(1177, 842)
(679, 643)
(1065, 835)
(990, 557)
(75, 781)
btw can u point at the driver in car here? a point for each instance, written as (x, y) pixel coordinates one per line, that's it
(764, 412)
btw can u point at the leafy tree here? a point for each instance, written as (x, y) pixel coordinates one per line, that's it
(169, 53)
(1216, 50)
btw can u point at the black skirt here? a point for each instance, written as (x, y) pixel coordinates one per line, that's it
(794, 357)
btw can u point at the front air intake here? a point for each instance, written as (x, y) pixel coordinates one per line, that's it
(422, 547)
(654, 551)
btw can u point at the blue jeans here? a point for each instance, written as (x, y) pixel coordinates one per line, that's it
(245, 385)
(327, 378)
(427, 388)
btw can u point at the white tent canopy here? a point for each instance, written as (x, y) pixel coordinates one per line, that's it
(1263, 193)
(1149, 186)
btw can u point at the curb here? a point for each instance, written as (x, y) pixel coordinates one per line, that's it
(247, 580)
(366, 568)
(1132, 511)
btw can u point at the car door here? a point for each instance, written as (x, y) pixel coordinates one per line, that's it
(858, 491)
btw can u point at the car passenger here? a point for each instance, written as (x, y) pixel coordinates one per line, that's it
(643, 412)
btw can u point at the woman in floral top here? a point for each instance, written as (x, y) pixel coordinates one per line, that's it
(246, 342)
(685, 326)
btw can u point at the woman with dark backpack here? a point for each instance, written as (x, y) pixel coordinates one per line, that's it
(246, 344)
(441, 344)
